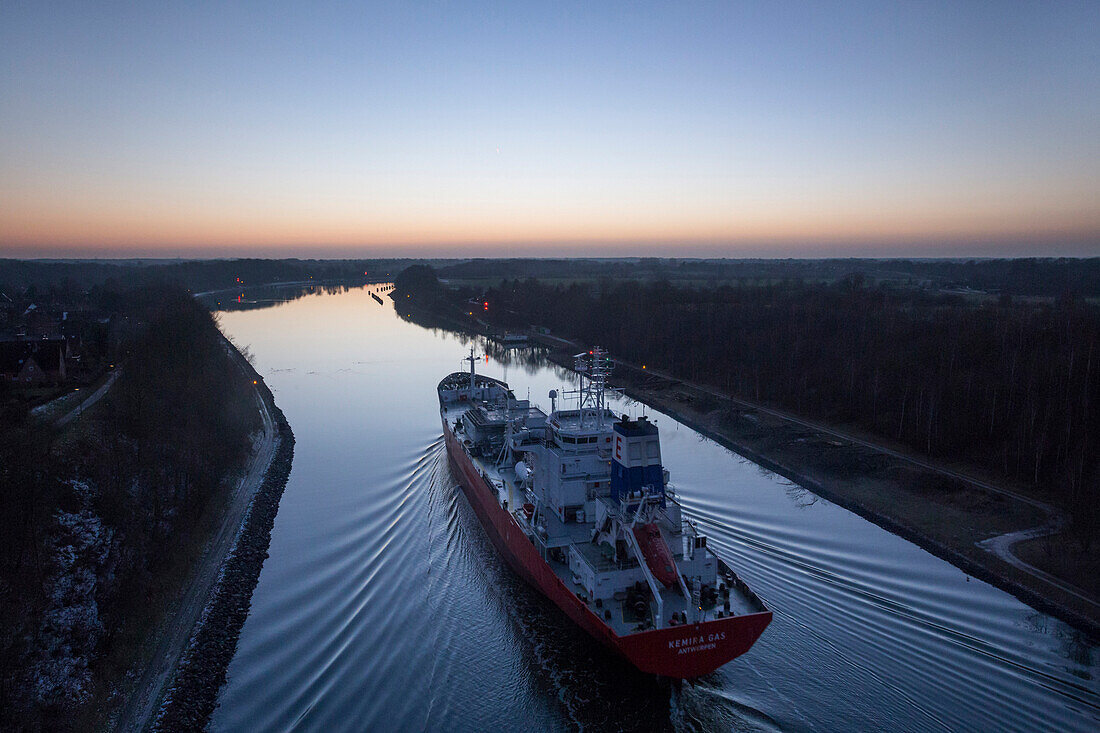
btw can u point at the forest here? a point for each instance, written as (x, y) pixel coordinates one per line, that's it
(1008, 385)
(95, 517)
(61, 279)
(1030, 277)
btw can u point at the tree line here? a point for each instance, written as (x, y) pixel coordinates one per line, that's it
(68, 280)
(1046, 277)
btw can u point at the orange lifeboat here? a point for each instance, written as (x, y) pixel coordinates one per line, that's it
(657, 555)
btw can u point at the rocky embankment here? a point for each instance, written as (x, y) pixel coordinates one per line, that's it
(193, 692)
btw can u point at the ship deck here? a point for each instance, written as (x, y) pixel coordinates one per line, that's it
(672, 599)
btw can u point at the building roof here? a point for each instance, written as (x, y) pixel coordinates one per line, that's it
(48, 353)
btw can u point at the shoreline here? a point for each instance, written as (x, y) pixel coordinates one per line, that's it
(189, 649)
(191, 695)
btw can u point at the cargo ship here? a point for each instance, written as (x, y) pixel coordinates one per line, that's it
(579, 504)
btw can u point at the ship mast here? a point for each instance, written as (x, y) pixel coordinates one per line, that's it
(593, 368)
(473, 360)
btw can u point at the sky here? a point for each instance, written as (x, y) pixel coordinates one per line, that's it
(548, 129)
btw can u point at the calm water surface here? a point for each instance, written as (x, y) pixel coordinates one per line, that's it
(383, 606)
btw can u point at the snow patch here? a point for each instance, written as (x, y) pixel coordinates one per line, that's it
(71, 626)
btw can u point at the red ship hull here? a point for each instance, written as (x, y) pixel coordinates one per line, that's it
(685, 652)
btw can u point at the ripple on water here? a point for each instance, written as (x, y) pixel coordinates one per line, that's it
(383, 604)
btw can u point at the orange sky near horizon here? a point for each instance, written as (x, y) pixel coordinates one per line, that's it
(160, 228)
(531, 130)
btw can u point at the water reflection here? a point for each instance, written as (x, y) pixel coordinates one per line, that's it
(383, 605)
(266, 296)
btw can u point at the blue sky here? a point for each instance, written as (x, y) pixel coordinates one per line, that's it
(550, 128)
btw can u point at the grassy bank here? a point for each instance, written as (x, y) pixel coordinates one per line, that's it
(192, 694)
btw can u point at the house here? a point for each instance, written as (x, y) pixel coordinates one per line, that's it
(42, 323)
(40, 361)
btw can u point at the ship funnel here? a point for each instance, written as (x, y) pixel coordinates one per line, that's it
(636, 460)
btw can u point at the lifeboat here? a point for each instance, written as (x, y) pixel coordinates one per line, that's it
(657, 555)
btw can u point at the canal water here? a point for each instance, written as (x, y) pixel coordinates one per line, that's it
(383, 606)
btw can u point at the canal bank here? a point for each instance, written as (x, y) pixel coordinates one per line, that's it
(192, 694)
(194, 643)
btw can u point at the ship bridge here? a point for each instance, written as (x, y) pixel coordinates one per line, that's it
(580, 429)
